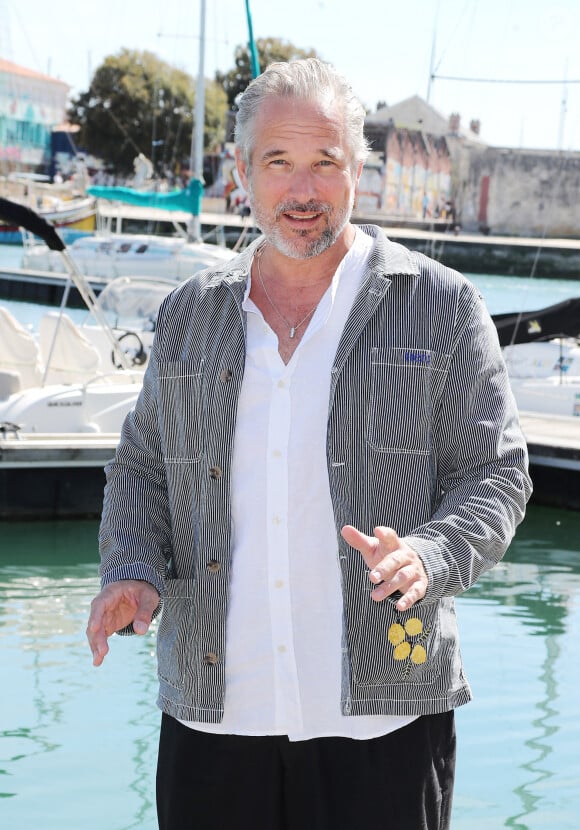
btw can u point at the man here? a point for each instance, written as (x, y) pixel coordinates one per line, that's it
(324, 453)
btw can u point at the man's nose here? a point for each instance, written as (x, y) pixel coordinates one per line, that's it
(303, 185)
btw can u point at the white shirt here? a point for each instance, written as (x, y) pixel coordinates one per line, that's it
(284, 624)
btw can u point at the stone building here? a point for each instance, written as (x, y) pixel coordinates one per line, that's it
(518, 192)
(504, 191)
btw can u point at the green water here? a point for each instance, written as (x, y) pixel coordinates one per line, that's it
(78, 744)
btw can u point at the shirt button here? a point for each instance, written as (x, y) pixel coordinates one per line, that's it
(215, 472)
(281, 649)
(225, 375)
(279, 583)
(210, 659)
(213, 566)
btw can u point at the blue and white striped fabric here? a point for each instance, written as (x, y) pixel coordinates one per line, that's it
(423, 436)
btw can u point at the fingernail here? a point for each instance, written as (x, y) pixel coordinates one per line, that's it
(376, 575)
(140, 627)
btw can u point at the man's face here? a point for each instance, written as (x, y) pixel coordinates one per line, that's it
(302, 181)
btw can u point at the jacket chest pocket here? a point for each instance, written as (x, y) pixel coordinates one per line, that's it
(405, 385)
(180, 386)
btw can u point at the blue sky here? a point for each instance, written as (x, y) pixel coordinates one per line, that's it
(384, 48)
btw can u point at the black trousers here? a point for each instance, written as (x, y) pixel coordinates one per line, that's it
(401, 781)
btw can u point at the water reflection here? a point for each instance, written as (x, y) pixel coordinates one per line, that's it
(525, 681)
(62, 720)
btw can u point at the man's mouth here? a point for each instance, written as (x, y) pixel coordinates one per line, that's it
(302, 216)
(307, 212)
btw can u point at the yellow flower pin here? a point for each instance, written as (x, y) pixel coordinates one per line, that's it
(413, 626)
(396, 634)
(418, 655)
(402, 651)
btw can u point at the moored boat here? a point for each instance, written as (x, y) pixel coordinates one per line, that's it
(542, 353)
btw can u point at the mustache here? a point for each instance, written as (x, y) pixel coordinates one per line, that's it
(311, 206)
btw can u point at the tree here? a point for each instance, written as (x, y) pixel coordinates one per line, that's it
(137, 103)
(269, 50)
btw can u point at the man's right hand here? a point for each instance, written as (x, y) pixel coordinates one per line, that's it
(118, 605)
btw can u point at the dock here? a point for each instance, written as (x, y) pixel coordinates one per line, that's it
(61, 476)
(53, 476)
(554, 449)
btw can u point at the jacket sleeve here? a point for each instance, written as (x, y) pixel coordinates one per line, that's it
(134, 535)
(481, 456)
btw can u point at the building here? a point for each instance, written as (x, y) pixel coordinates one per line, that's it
(421, 158)
(410, 173)
(519, 192)
(31, 106)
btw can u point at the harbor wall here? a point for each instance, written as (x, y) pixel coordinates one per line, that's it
(534, 193)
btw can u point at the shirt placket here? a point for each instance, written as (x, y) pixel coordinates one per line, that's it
(287, 698)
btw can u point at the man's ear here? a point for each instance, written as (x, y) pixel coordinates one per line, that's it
(241, 165)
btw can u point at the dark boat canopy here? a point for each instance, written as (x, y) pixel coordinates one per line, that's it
(559, 320)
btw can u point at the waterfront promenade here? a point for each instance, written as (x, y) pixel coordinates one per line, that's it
(470, 252)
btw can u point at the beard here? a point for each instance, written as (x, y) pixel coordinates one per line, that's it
(300, 245)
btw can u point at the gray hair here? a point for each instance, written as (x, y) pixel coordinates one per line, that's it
(308, 79)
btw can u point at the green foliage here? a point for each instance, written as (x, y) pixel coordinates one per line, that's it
(137, 103)
(270, 50)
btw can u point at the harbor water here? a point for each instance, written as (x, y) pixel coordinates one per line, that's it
(78, 745)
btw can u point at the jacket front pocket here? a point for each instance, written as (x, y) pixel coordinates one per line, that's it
(395, 647)
(174, 637)
(180, 410)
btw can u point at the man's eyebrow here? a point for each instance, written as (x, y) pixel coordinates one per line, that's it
(333, 153)
(269, 154)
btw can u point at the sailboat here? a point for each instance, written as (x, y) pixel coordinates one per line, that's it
(541, 349)
(109, 255)
(190, 199)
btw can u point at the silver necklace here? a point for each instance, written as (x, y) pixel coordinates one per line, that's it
(294, 327)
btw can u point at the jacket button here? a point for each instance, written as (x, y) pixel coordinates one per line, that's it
(225, 375)
(210, 659)
(215, 472)
(213, 566)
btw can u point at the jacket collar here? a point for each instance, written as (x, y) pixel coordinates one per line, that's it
(387, 260)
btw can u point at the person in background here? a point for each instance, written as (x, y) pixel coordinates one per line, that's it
(324, 453)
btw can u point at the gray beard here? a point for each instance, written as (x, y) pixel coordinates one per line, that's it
(296, 249)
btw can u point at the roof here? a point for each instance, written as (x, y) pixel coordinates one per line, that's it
(414, 113)
(14, 69)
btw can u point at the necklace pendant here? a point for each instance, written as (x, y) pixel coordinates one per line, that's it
(292, 332)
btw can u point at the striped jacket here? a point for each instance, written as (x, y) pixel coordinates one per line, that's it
(422, 436)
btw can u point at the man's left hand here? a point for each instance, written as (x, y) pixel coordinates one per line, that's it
(393, 565)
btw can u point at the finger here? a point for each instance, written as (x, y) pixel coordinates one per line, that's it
(391, 558)
(148, 602)
(416, 592)
(97, 636)
(366, 545)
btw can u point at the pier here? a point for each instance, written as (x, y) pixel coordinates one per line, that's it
(554, 449)
(61, 476)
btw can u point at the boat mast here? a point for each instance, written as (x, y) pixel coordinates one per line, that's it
(196, 157)
(254, 62)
